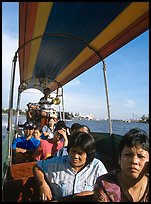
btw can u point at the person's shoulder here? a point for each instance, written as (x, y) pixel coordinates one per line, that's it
(62, 159)
(44, 127)
(59, 161)
(34, 139)
(22, 137)
(18, 139)
(97, 161)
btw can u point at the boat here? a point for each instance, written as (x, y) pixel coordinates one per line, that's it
(59, 41)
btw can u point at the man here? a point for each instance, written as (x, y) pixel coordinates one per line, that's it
(47, 110)
(23, 147)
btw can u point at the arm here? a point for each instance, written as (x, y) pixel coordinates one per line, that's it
(44, 189)
(21, 150)
(64, 134)
(99, 194)
(15, 148)
(14, 143)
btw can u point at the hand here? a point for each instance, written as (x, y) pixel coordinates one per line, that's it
(64, 134)
(45, 192)
(20, 150)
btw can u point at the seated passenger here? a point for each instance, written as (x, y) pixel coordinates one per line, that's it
(72, 175)
(83, 128)
(48, 148)
(76, 127)
(38, 134)
(62, 123)
(48, 130)
(130, 183)
(24, 146)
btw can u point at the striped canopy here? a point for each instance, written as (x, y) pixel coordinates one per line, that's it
(60, 40)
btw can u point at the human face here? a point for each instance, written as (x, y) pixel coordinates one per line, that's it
(28, 131)
(51, 122)
(37, 134)
(134, 161)
(77, 157)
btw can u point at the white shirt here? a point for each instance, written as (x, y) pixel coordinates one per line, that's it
(64, 181)
(45, 128)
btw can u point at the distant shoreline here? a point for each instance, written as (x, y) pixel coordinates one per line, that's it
(78, 119)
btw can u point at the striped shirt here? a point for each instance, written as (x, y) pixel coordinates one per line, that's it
(64, 181)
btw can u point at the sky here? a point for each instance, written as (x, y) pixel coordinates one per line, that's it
(127, 72)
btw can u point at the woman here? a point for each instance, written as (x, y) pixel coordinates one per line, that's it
(131, 182)
(72, 175)
(48, 130)
(76, 127)
(49, 147)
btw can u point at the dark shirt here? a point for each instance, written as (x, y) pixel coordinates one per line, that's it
(107, 189)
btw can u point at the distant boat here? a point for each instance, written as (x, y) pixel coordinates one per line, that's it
(55, 47)
(127, 121)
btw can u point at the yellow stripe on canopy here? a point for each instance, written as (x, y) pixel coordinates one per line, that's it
(119, 24)
(43, 12)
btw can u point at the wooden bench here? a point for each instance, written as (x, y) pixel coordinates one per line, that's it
(22, 187)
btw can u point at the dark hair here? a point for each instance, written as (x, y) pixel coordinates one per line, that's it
(134, 137)
(59, 126)
(61, 122)
(85, 141)
(84, 126)
(75, 126)
(29, 125)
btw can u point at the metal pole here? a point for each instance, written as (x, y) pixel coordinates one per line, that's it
(107, 97)
(10, 113)
(63, 106)
(17, 110)
(60, 113)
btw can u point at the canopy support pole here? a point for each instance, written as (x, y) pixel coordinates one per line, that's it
(17, 110)
(10, 113)
(63, 106)
(107, 97)
(60, 116)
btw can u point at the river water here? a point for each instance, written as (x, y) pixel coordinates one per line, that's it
(118, 127)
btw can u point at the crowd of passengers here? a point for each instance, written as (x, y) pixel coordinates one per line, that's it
(38, 143)
(67, 169)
